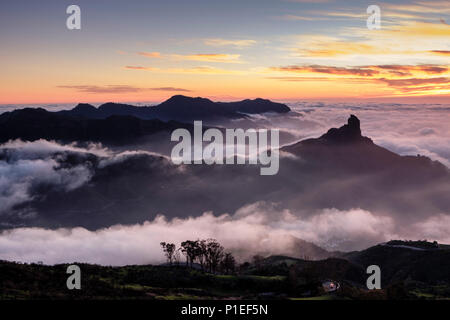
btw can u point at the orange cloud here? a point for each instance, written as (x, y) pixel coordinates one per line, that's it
(421, 7)
(332, 48)
(391, 75)
(406, 34)
(102, 89)
(407, 70)
(118, 89)
(440, 52)
(363, 71)
(140, 68)
(367, 71)
(203, 70)
(150, 54)
(416, 29)
(210, 57)
(414, 81)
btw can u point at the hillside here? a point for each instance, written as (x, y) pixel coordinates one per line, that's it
(405, 275)
(34, 124)
(341, 170)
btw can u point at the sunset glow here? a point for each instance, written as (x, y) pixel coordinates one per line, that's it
(278, 50)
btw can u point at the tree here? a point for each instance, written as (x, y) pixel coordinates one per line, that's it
(201, 253)
(177, 256)
(228, 263)
(257, 261)
(292, 278)
(214, 253)
(190, 249)
(169, 251)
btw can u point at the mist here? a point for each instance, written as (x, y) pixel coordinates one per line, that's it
(253, 229)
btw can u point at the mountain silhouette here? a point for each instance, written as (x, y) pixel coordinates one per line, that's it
(341, 169)
(121, 123)
(346, 149)
(33, 124)
(182, 108)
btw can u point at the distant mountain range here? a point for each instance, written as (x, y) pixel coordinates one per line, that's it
(32, 124)
(398, 265)
(121, 123)
(181, 108)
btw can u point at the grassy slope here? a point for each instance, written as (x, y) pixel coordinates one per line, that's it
(405, 274)
(24, 281)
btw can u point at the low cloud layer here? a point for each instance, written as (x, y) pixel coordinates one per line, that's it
(252, 229)
(26, 167)
(406, 129)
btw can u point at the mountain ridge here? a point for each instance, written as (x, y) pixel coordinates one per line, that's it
(182, 108)
(32, 124)
(322, 174)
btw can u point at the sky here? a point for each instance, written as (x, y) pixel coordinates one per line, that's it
(148, 50)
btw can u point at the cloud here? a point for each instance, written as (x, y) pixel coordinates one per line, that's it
(28, 166)
(117, 89)
(315, 15)
(359, 71)
(441, 52)
(405, 129)
(209, 57)
(203, 70)
(311, 1)
(29, 170)
(218, 42)
(406, 70)
(416, 29)
(292, 17)
(255, 228)
(170, 89)
(440, 7)
(150, 54)
(401, 78)
(399, 128)
(414, 81)
(392, 41)
(140, 68)
(320, 46)
(102, 89)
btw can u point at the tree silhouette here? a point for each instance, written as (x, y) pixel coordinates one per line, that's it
(169, 251)
(228, 263)
(214, 253)
(190, 249)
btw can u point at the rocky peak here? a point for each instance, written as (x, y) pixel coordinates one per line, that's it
(350, 132)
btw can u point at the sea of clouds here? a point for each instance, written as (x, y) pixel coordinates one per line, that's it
(253, 229)
(258, 227)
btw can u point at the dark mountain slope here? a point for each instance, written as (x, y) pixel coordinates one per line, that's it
(33, 124)
(352, 172)
(400, 264)
(182, 108)
(121, 123)
(328, 172)
(345, 148)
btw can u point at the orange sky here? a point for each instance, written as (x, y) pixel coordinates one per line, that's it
(339, 58)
